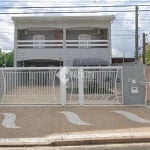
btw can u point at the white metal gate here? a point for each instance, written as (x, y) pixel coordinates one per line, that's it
(95, 85)
(54, 85)
(30, 86)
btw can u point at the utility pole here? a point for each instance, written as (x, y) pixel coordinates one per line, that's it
(136, 33)
(144, 43)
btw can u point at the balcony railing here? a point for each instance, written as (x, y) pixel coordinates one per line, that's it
(62, 44)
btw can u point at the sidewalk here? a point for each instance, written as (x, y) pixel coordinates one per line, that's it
(58, 125)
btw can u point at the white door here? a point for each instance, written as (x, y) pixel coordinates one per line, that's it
(84, 40)
(38, 41)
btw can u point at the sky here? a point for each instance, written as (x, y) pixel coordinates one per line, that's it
(123, 27)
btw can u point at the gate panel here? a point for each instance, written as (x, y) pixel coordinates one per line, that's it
(103, 85)
(31, 86)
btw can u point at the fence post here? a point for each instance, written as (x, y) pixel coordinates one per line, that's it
(122, 82)
(63, 81)
(81, 86)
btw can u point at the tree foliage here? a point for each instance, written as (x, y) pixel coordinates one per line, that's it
(6, 59)
(148, 57)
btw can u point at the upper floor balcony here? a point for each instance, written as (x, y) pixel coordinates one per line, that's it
(62, 38)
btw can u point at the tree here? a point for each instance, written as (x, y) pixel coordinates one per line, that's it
(147, 54)
(6, 59)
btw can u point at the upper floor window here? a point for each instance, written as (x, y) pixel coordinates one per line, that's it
(84, 40)
(38, 41)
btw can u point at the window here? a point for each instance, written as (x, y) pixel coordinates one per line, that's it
(84, 40)
(38, 41)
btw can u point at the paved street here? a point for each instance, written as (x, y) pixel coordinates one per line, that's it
(56, 122)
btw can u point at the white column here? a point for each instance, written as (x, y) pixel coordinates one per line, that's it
(81, 86)
(63, 81)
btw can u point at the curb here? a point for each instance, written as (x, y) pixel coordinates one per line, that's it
(79, 139)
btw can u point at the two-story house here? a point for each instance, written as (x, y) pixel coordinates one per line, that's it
(62, 41)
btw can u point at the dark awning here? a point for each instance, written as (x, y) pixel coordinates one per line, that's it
(90, 62)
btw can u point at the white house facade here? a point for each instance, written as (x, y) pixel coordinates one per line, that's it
(62, 41)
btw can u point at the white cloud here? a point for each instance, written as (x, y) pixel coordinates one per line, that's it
(123, 25)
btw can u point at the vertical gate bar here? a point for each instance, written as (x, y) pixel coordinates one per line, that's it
(33, 81)
(11, 74)
(116, 94)
(27, 87)
(5, 84)
(14, 75)
(109, 82)
(102, 88)
(34, 87)
(104, 81)
(46, 82)
(111, 86)
(40, 79)
(20, 88)
(88, 83)
(111, 77)
(114, 82)
(106, 78)
(122, 96)
(99, 85)
(53, 81)
(96, 80)
(51, 77)
(43, 83)
(17, 77)
(38, 82)
(18, 81)
(6, 76)
(21, 83)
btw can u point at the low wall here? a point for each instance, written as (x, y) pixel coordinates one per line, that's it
(147, 78)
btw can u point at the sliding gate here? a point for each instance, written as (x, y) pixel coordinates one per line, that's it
(62, 86)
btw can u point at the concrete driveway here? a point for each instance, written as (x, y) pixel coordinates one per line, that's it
(44, 124)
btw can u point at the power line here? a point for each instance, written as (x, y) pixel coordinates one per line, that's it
(56, 12)
(69, 2)
(79, 6)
